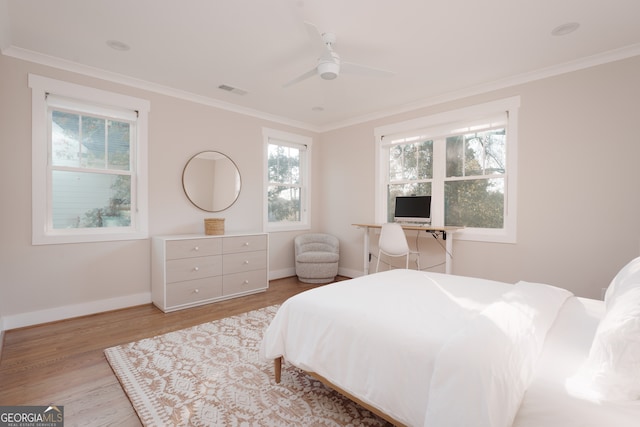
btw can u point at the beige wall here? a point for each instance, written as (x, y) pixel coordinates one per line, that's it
(42, 283)
(577, 198)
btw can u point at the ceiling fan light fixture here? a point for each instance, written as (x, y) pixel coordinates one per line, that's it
(329, 65)
(328, 70)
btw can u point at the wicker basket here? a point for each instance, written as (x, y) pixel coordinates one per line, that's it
(213, 226)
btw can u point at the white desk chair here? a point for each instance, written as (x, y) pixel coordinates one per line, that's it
(393, 243)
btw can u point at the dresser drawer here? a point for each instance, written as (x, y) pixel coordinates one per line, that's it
(235, 263)
(236, 244)
(193, 248)
(193, 291)
(193, 268)
(244, 282)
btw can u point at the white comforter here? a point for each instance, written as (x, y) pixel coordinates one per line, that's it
(425, 348)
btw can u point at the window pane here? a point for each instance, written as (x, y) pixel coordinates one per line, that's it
(425, 160)
(65, 139)
(476, 154)
(407, 189)
(105, 143)
(284, 204)
(284, 164)
(495, 143)
(475, 203)
(455, 155)
(411, 161)
(93, 142)
(89, 200)
(118, 141)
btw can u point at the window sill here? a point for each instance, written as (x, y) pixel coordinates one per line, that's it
(287, 227)
(85, 238)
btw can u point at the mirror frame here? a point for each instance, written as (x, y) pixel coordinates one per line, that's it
(186, 185)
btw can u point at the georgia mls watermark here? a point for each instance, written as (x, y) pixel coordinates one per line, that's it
(32, 416)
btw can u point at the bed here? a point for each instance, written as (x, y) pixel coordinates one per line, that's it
(430, 349)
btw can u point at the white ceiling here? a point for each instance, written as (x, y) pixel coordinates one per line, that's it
(438, 50)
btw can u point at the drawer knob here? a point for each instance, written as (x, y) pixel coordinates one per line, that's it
(246, 244)
(246, 261)
(246, 282)
(196, 268)
(196, 248)
(195, 291)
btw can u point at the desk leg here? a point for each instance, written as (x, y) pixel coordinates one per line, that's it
(366, 251)
(448, 259)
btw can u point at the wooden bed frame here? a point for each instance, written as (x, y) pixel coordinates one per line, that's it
(277, 365)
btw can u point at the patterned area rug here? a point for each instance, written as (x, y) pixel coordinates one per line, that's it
(212, 375)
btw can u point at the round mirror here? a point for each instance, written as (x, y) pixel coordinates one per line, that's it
(211, 181)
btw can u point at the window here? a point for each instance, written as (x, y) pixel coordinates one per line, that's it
(465, 159)
(410, 171)
(287, 180)
(89, 164)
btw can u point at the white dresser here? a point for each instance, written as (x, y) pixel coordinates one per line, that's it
(190, 270)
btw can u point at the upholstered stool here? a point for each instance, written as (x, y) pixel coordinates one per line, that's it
(317, 256)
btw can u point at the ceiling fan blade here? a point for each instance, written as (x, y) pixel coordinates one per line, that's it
(351, 68)
(315, 35)
(312, 72)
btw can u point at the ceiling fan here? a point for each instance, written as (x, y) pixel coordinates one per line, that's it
(329, 64)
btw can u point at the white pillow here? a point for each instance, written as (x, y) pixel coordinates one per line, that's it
(628, 276)
(613, 367)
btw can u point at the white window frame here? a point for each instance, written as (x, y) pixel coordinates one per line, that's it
(429, 123)
(282, 138)
(42, 230)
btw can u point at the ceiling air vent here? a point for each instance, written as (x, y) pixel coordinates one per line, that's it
(232, 89)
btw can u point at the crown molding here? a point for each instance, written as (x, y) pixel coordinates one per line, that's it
(567, 67)
(74, 67)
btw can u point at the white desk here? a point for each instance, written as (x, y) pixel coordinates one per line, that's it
(447, 233)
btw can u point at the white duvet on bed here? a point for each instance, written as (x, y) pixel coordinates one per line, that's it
(505, 341)
(394, 339)
(550, 400)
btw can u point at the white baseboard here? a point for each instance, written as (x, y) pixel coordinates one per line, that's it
(68, 311)
(347, 272)
(289, 272)
(21, 320)
(279, 274)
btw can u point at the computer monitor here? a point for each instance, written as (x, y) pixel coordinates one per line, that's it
(414, 209)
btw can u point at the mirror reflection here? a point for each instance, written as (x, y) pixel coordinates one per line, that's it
(211, 181)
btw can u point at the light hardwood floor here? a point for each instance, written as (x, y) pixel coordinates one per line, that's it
(63, 363)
